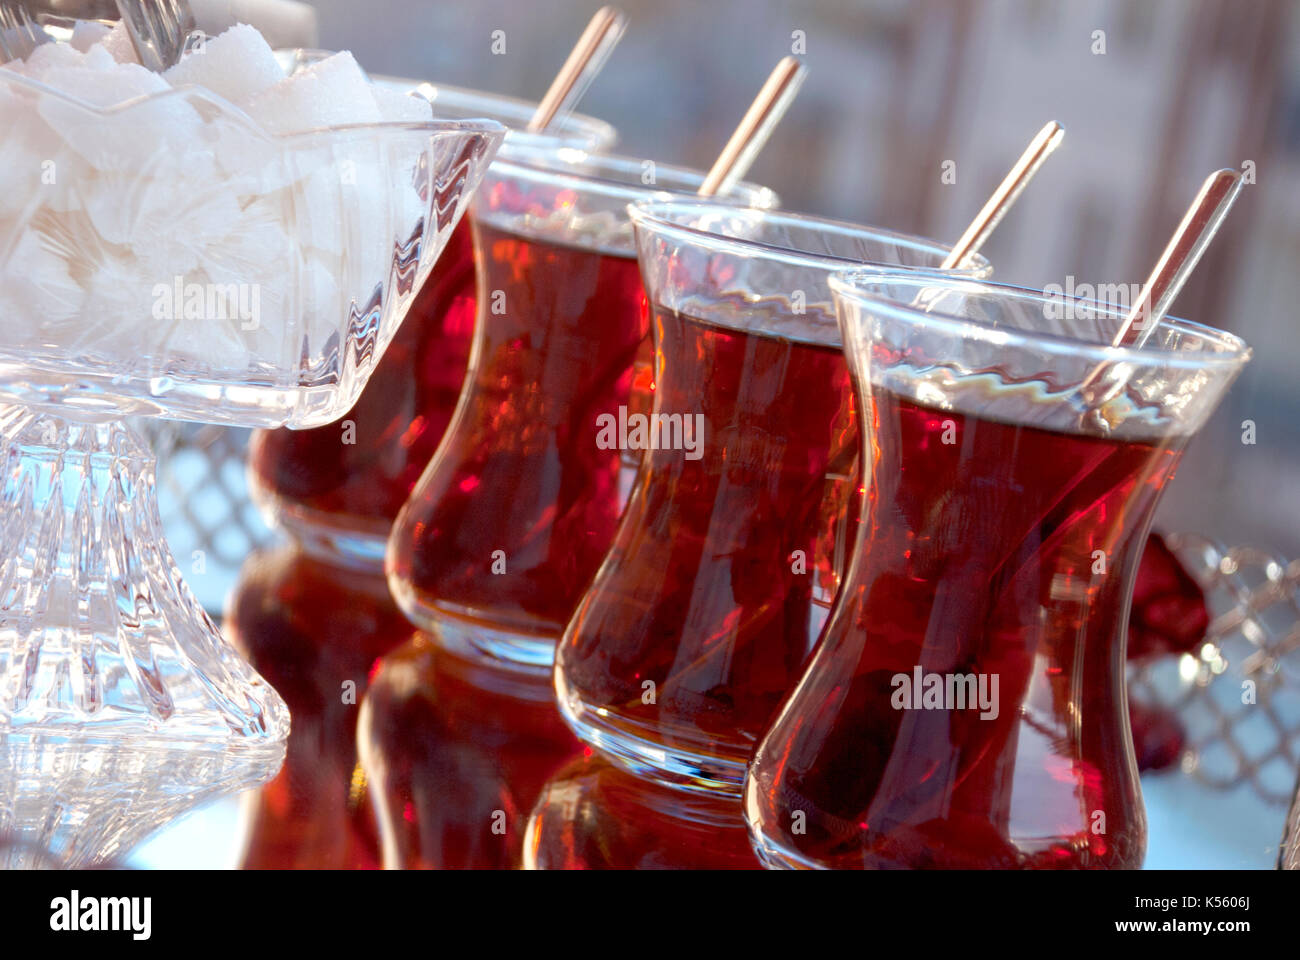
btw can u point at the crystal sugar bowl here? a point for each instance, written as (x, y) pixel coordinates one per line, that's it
(168, 256)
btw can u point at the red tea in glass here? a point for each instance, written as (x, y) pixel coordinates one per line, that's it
(338, 488)
(513, 516)
(729, 554)
(966, 705)
(702, 615)
(528, 479)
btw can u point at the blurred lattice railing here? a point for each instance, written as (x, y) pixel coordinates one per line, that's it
(211, 524)
(1238, 694)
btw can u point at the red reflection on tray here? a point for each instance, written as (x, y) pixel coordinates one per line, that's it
(595, 816)
(314, 632)
(455, 756)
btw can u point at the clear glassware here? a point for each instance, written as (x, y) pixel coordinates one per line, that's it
(728, 556)
(513, 515)
(16, 853)
(336, 489)
(460, 103)
(1288, 855)
(593, 815)
(167, 258)
(455, 753)
(965, 705)
(314, 631)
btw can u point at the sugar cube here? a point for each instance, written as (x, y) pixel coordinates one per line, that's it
(333, 91)
(50, 57)
(236, 65)
(118, 42)
(87, 34)
(38, 278)
(395, 106)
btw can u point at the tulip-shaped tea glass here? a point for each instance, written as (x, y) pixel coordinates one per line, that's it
(729, 553)
(965, 706)
(337, 488)
(513, 515)
(167, 258)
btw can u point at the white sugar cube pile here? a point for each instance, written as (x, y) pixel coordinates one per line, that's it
(194, 225)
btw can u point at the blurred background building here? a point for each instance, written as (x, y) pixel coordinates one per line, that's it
(898, 87)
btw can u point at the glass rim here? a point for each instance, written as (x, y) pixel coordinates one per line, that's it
(573, 126)
(572, 129)
(652, 213)
(854, 285)
(557, 166)
(484, 127)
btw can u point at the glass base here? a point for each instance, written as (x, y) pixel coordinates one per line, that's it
(354, 542)
(675, 765)
(76, 803)
(477, 639)
(494, 646)
(121, 705)
(775, 857)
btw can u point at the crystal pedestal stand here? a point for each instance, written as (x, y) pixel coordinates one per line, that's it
(121, 705)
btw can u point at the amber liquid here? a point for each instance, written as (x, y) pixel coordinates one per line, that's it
(979, 557)
(397, 422)
(311, 630)
(513, 516)
(456, 756)
(710, 592)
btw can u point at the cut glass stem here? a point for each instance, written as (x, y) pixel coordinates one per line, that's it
(121, 705)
